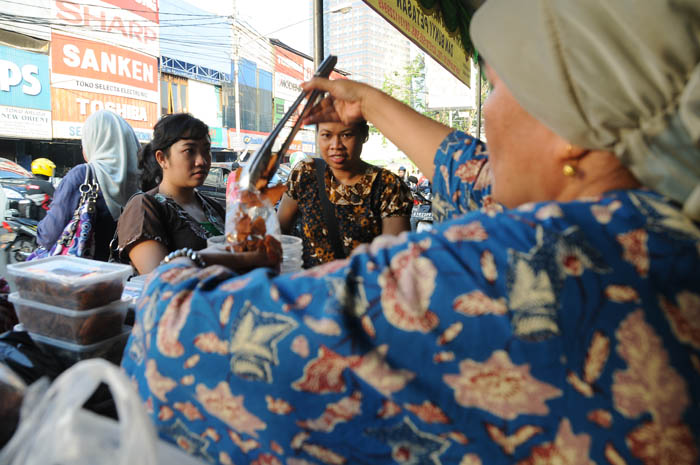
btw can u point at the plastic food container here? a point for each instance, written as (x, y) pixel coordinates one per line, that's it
(291, 254)
(75, 326)
(69, 282)
(110, 349)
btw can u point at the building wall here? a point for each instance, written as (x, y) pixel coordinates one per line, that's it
(204, 102)
(38, 10)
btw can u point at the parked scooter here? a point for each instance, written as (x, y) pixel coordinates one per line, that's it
(18, 235)
(422, 213)
(18, 238)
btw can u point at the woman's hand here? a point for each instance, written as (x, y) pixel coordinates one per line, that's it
(343, 104)
(241, 262)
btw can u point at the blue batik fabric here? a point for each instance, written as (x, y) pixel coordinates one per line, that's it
(554, 333)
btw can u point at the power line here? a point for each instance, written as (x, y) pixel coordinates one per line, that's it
(116, 8)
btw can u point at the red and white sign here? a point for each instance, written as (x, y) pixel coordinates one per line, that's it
(102, 22)
(80, 64)
(289, 63)
(147, 9)
(309, 71)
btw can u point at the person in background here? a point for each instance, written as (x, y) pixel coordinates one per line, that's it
(366, 200)
(559, 327)
(110, 147)
(40, 190)
(43, 168)
(402, 173)
(170, 213)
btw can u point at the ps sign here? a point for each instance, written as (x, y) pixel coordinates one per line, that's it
(24, 79)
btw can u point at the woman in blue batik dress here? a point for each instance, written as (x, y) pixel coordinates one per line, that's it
(563, 329)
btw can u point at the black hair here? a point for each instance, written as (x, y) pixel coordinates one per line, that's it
(168, 130)
(363, 130)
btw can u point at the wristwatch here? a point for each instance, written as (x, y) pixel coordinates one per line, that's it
(186, 252)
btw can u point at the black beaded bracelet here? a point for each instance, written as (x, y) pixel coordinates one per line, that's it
(186, 252)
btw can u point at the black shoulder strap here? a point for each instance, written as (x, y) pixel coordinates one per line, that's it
(327, 209)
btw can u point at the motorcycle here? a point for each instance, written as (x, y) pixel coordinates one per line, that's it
(18, 232)
(24, 201)
(422, 212)
(18, 238)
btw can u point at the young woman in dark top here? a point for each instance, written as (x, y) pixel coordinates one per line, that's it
(171, 214)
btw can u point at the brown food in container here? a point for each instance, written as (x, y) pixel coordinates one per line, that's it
(69, 282)
(79, 327)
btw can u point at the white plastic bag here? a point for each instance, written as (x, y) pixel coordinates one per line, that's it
(56, 430)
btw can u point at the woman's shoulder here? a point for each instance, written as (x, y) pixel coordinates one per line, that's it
(144, 200)
(302, 171)
(305, 165)
(387, 176)
(75, 175)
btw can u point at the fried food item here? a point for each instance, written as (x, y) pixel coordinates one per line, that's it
(274, 194)
(251, 236)
(247, 211)
(257, 228)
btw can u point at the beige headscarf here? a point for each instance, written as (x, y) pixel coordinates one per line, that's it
(111, 148)
(620, 75)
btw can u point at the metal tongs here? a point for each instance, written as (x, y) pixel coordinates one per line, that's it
(260, 162)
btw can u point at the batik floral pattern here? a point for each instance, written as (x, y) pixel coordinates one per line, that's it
(500, 387)
(567, 449)
(555, 333)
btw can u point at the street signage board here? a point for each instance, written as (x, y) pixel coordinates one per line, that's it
(428, 32)
(25, 97)
(81, 64)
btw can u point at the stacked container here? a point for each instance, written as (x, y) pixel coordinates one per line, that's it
(72, 306)
(291, 254)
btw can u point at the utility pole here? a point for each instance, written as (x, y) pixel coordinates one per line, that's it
(318, 44)
(236, 57)
(318, 33)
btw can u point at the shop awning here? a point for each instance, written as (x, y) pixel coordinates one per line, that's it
(439, 27)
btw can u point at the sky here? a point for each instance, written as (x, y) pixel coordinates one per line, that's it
(287, 20)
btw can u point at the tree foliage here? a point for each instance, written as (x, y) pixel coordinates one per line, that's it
(408, 85)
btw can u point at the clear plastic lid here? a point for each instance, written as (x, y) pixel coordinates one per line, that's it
(126, 330)
(290, 241)
(69, 270)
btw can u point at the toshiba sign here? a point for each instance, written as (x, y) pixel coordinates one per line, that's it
(71, 108)
(79, 64)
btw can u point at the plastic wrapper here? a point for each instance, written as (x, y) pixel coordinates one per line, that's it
(57, 430)
(251, 220)
(11, 394)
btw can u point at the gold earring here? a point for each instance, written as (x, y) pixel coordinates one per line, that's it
(569, 170)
